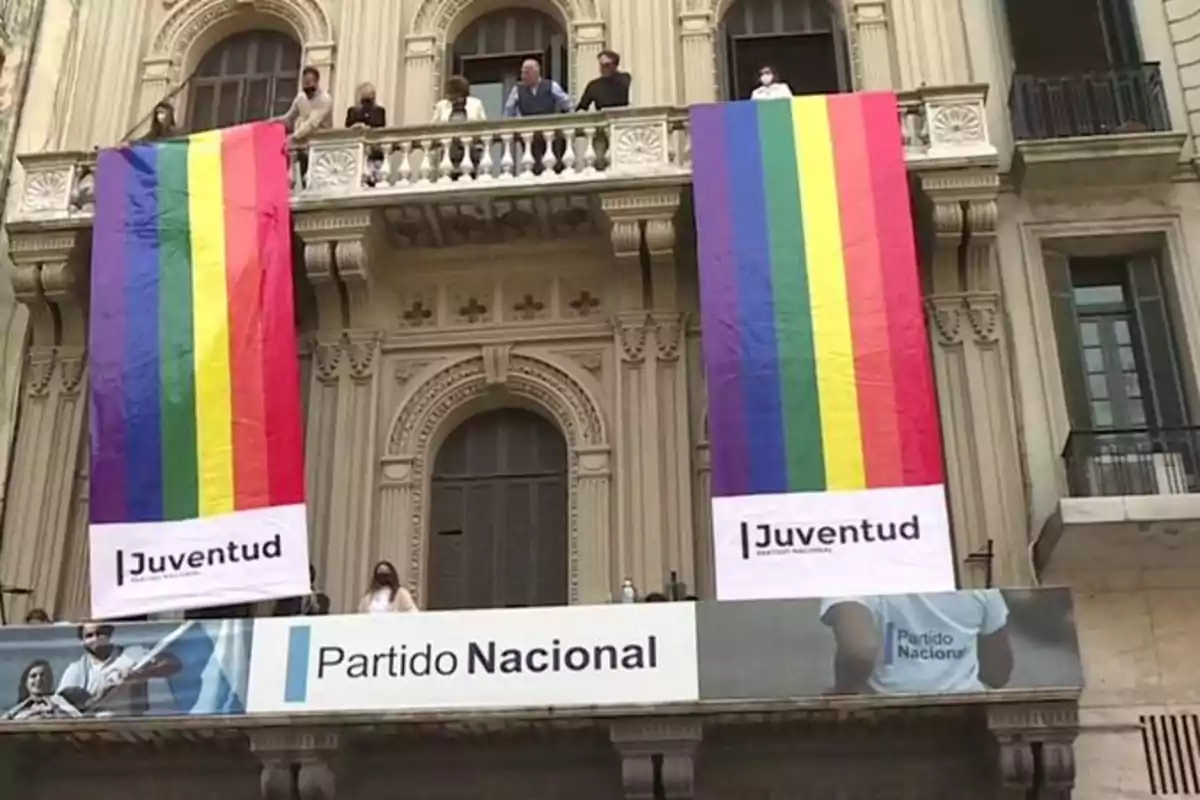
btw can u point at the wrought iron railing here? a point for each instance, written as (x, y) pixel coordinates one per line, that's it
(1125, 100)
(1135, 461)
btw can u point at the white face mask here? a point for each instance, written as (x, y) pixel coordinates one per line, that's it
(766, 79)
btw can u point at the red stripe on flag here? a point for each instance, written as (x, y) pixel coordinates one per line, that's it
(244, 286)
(916, 403)
(862, 256)
(281, 369)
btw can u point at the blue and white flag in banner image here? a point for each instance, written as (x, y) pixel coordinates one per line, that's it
(214, 658)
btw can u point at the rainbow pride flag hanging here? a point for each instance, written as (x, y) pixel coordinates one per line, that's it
(197, 463)
(820, 389)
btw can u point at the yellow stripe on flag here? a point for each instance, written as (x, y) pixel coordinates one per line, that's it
(210, 325)
(833, 344)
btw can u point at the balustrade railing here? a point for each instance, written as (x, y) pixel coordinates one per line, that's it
(1098, 103)
(942, 126)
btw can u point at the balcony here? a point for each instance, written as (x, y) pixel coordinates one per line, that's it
(1107, 128)
(1133, 501)
(442, 184)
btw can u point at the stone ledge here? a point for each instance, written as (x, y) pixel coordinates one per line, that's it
(1095, 161)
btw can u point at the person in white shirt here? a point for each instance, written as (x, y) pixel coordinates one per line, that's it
(916, 643)
(109, 680)
(385, 594)
(458, 104)
(770, 87)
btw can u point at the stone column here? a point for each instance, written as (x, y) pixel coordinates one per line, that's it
(421, 55)
(637, 525)
(972, 368)
(39, 521)
(696, 38)
(876, 48)
(1034, 749)
(297, 764)
(662, 748)
(396, 516)
(339, 248)
(594, 496)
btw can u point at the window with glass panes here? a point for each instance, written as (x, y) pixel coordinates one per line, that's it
(248, 77)
(803, 40)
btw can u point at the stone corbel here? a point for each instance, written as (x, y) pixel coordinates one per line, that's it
(296, 763)
(1035, 748)
(50, 279)
(964, 211)
(637, 218)
(657, 751)
(339, 249)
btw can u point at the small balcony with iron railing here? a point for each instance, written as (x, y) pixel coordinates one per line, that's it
(1108, 127)
(1132, 500)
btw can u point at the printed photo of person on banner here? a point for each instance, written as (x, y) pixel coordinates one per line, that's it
(104, 670)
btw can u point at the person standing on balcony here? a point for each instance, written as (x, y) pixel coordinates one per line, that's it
(368, 114)
(162, 123)
(458, 105)
(536, 96)
(312, 110)
(385, 594)
(769, 86)
(610, 89)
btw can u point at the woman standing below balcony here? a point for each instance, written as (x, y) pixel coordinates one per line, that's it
(385, 594)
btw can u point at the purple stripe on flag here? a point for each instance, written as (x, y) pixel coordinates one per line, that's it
(108, 495)
(719, 305)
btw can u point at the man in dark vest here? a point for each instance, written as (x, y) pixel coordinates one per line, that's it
(535, 95)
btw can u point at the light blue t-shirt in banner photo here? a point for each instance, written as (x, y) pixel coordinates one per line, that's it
(930, 642)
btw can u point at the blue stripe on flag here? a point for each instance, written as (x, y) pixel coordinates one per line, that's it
(295, 687)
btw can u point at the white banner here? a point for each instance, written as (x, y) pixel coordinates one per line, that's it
(503, 658)
(243, 557)
(814, 544)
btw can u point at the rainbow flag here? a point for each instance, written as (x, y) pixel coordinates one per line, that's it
(197, 463)
(815, 347)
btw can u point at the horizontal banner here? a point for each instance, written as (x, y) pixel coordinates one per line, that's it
(581, 657)
(814, 544)
(513, 658)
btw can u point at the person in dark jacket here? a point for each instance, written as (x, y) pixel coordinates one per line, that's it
(368, 114)
(610, 89)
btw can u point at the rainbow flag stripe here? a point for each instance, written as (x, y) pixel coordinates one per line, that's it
(195, 400)
(815, 346)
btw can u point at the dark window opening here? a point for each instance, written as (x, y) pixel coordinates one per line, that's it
(248, 77)
(804, 40)
(489, 53)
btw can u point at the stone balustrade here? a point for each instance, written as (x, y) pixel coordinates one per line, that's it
(941, 127)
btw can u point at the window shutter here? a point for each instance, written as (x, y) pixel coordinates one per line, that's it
(1066, 335)
(1157, 342)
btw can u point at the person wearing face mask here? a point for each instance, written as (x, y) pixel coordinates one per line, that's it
(311, 111)
(162, 123)
(611, 89)
(385, 594)
(368, 114)
(770, 87)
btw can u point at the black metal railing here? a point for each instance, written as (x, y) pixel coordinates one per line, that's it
(1125, 100)
(1136, 461)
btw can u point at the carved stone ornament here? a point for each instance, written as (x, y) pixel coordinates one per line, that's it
(639, 146)
(983, 312)
(71, 373)
(335, 170)
(956, 125)
(421, 417)
(327, 356)
(47, 190)
(668, 334)
(39, 367)
(361, 352)
(188, 20)
(1050, 771)
(630, 330)
(435, 17)
(946, 319)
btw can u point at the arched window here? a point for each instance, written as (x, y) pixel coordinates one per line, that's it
(499, 514)
(804, 40)
(490, 50)
(247, 77)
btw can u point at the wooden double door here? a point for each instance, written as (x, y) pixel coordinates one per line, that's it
(498, 534)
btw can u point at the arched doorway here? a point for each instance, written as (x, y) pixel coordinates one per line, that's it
(490, 50)
(804, 40)
(498, 533)
(246, 77)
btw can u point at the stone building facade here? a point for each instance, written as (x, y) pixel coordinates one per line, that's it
(434, 311)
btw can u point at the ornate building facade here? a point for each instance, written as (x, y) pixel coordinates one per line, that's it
(515, 351)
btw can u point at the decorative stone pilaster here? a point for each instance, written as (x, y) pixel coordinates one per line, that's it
(875, 47)
(661, 751)
(421, 52)
(1035, 749)
(696, 41)
(339, 248)
(971, 364)
(297, 764)
(588, 39)
(50, 279)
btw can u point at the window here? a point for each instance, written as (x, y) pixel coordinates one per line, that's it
(803, 39)
(1072, 36)
(247, 77)
(489, 53)
(1118, 353)
(499, 514)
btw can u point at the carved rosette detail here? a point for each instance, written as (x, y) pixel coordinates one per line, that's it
(639, 146)
(631, 337)
(956, 125)
(334, 170)
(47, 190)
(420, 417)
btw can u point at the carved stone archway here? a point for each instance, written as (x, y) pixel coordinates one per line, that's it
(437, 21)
(442, 399)
(191, 27)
